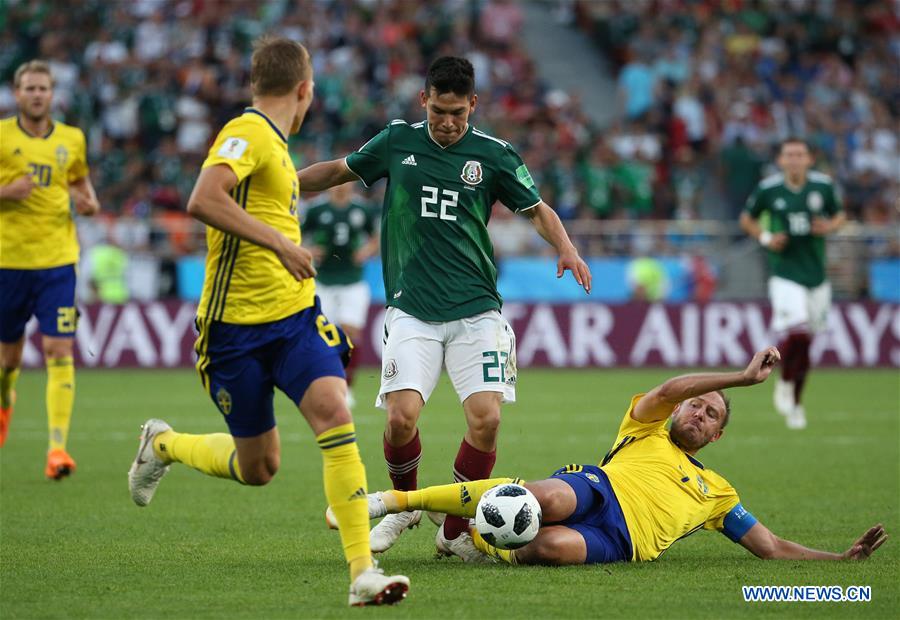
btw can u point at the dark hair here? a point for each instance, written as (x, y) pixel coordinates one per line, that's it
(727, 409)
(450, 74)
(277, 66)
(794, 140)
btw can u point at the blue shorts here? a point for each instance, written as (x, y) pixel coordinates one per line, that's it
(598, 516)
(240, 365)
(47, 293)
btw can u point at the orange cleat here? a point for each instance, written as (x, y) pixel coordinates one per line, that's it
(59, 464)
(5, 417)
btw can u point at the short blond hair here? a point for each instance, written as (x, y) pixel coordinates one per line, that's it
(32, 66)
(277, 66)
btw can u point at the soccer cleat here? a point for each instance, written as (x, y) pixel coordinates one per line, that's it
(385, 534)
(6, 417)
(461, 546)
(784, 397)
(59, 464)
(373, 587)
(797, 418)
(147, 469)
(376, 509)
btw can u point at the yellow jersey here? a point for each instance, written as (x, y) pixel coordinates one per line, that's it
(39, 232)
(665, 493)
(245, 283)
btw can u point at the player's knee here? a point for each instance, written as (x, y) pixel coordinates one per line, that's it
(260, 472)
(401, 423)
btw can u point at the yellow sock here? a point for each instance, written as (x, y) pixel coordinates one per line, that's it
(60, 398)
(458, 499)
(212, 454)
(482, 545)
(8, 377)
(345, 490)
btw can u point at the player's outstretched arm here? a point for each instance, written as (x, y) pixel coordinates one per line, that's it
(211, 204)
(762, 543)
(659, 402)
(84, 196)
(325, 174)
(547, 223)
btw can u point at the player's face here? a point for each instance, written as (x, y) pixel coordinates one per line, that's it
(447, 114)
(34, 95)
(698, 421)
(794, 159)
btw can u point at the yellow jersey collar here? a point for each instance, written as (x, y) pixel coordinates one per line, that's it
(251, 110)
(30, 135)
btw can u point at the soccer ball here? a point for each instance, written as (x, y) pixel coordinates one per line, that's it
(508, 516)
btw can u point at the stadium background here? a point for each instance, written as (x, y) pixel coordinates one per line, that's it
(648, 161)
(645, 125)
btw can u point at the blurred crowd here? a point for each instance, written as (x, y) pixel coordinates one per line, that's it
(706, 88)
(715, 84)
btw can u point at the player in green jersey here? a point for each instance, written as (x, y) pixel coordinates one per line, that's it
(440, 278)
(802, 207)
(344, 235)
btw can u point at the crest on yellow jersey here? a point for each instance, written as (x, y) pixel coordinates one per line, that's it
(62, 156)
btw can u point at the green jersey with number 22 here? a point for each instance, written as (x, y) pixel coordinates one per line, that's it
(436, 254)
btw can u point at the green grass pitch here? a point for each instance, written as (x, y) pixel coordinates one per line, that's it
(209, 548)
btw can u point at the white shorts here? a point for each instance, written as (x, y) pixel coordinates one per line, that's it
(345, 304)
(794, 305)
(479, 353)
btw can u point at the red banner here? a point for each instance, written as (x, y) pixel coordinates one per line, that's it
(859, 334)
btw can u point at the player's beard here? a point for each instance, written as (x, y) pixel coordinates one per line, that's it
(686, 440)
(36, 118)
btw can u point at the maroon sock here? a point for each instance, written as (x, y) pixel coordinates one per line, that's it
(403, 463)
(801, 363)
(786, 348)
(471, 464)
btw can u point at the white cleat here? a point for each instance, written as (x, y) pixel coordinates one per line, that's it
(376, 509)
(373, 587)
(461, 546)
(797, 418)
(385, 534)
(784, 397)
(147, 469)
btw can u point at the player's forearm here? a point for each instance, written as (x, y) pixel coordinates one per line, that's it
(683, 387)
(548, 225)
(750, 226)
(223, 213)
(789, 550)
(323, 175)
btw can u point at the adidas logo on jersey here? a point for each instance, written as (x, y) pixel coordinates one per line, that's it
(409, 161)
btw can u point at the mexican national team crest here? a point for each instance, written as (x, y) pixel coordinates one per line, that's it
(471, 173)
(815, 202)
(62, 157)
(390, 369)
(223, 400)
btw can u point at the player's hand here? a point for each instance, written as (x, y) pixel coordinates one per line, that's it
(570, 260)
(20, 189)
(778, 242)
(866, 544)
(821, 226)
(296, 259)
(85, 204)
(761, 366)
